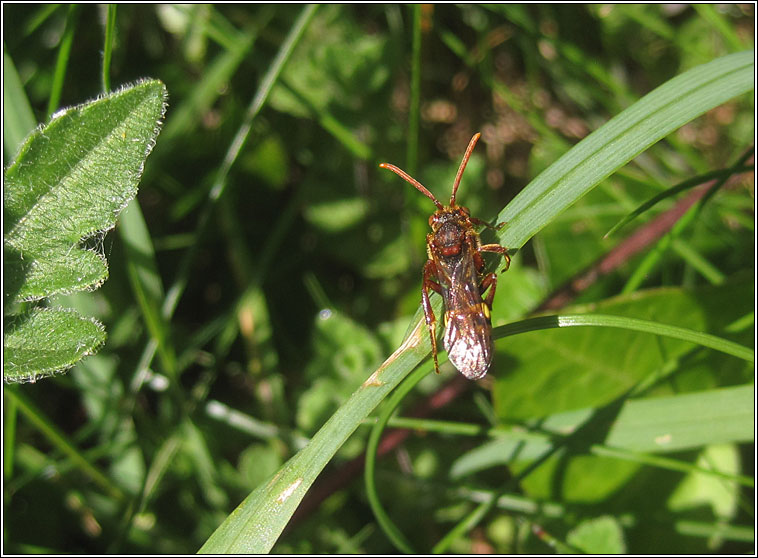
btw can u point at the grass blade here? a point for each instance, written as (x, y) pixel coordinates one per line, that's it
(625, 136)
(18, 118)
(257, 522)
(64, 50)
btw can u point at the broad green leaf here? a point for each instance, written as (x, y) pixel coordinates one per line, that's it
(545, 372)
(337, 215)
(602, 535)
(701, 489)
(651, 425)
(685, 421)
(336, 368)
(69, 182)
(45, 340)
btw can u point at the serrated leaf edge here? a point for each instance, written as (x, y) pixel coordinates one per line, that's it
(45, 373)
(101, 232)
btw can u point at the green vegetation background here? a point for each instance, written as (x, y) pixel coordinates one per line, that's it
(305, 273)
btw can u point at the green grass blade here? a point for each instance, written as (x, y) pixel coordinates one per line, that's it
(18, 118)
(709, 13)
(674, 190)
(393, 533)
(625, 136)
(59, 440)
(415, 108)
(671, 464)
(340, 132)
(186, 115)
(261, 96)
(653, 257)
(64, 51)
(146, 281)
(704, 339)
(471, 520)
(698, 262)
(42, 15)
(9, 436)
(257, 522)
(642, 427)
(110, 31)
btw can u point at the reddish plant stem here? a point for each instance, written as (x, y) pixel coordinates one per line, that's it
(638, 241)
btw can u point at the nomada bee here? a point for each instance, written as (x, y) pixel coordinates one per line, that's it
(455, 270)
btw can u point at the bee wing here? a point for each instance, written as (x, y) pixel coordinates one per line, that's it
(468, 339)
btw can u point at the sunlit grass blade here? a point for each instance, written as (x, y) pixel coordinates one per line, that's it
(257, 522)
(625, 136)
(634, 324)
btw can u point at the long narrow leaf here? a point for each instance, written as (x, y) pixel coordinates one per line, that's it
(256, 524)
(622, 138)
(651, 425)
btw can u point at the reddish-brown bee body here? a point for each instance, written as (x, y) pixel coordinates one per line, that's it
(454, 270)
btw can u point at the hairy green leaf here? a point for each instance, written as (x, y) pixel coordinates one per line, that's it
(45, 340)
(71, 179)
(69, 182)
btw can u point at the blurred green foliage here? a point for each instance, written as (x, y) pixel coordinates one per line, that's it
(309, 269)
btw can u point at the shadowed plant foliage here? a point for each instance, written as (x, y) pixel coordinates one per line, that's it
(265, 341)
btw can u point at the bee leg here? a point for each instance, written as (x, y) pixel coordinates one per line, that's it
(486, 224)
(489, 280)
(496, 248)
(430, 270)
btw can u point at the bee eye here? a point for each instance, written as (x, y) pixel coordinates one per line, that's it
(431, 220)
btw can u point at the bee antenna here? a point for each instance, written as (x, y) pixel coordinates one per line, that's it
(464, 162)
(408, 178)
